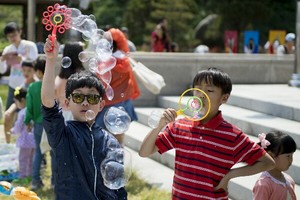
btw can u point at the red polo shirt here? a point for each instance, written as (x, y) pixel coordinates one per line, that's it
(204, 155)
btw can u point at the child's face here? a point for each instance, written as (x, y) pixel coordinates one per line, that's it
(215, 96)
(14, 37)
(28, 73)
(283, 161)
(79, 110)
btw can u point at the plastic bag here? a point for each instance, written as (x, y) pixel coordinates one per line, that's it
(9, 162)
(153, 81)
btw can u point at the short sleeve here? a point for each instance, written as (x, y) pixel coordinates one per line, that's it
(246, 150)
(261, 190)
(165, 140)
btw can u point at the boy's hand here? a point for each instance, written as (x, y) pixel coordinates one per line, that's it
(169, 115)
(223, 184)
(51, 47)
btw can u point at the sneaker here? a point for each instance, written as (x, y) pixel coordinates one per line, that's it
(37, 184)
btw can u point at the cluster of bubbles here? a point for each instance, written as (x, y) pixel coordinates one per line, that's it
(99, 58)
(116, 168)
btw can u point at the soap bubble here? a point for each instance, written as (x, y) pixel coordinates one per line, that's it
(106, 77)
(116, 168)
(103, 49)
(119, 54)
(66, 62)
(90, 115)
(83, 56)
(113, 144)
(85, 25)
(116, 120)
(154, 118)
(109, 92)
(104, 66)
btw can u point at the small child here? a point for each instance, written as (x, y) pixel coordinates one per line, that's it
(11, 112)
(274, 183)
(25, 140)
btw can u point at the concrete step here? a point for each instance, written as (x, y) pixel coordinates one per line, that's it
(251, 122)
(276, 100)
(152, 172)
(239, 188)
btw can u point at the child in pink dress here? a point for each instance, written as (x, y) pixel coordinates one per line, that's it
(25, 139)
(275, 184)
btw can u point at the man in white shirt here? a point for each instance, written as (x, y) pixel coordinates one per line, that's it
(11, 59)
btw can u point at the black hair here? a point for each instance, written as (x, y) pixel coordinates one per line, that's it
(84, 79)
(40, 64)
(71, 50)
(11, 27)
(216, 77)
(27, 63)
(280, 143)
(20, 93)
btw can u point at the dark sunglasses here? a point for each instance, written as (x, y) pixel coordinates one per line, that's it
(91, 98)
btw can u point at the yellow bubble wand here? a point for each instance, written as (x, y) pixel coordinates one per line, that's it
(194, 104)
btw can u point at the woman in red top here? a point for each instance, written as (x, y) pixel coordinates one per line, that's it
(159, 38)
(123, 82)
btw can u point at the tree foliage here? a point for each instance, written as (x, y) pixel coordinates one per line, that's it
(141, 17)
(9, 14)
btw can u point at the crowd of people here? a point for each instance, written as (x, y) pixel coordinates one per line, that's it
(40, 101)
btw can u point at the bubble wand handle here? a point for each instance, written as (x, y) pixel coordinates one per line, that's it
(53, 34)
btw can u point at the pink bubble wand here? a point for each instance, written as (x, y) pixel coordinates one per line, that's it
(57, 18)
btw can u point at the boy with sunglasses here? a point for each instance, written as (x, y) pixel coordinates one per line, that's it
(80, 145)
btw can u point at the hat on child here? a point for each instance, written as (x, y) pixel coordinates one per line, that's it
(290, 37)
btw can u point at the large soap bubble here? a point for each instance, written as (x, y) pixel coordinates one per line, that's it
(117, 120)
(116, 168)
(154, 118)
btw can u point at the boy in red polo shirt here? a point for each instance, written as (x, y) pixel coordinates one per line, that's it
(206, 150)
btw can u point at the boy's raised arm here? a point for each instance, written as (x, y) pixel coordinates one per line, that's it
(148, 146)
(51, 52)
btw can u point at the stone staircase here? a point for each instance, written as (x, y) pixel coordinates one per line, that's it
(253, 108)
